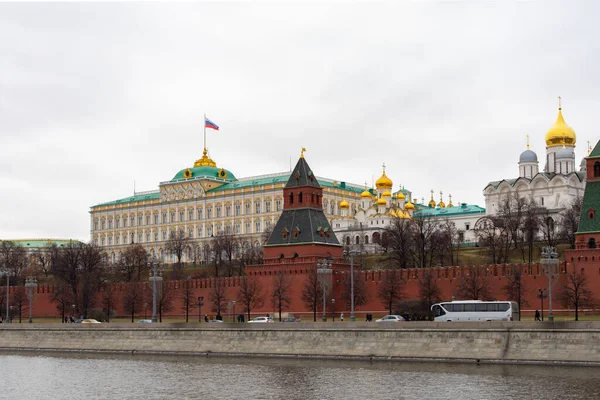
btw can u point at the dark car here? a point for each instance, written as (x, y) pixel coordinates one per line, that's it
(290, 319)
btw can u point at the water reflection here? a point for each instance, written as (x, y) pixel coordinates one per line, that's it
(97, 376)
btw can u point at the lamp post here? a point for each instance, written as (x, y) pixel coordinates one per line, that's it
(333, 310)
(234, 316)
(323, 272)
(30, 284)
(154, 278)
(200, 298)
(542, 295)
(352, 253)
(549, 261)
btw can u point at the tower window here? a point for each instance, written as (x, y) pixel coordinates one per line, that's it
(291, 198)
(596, 169)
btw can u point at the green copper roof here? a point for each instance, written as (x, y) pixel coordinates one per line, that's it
(40, 243)
(449, 211)
(282, 178)
(133, 199)
(204, 171)
(596, 152)
(548, 175)
(591, 201)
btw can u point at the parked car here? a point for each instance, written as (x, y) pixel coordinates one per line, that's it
(391, 318)
(89, 321)
(260, 320)
(144, 321)
(215, 320)
(290, 319)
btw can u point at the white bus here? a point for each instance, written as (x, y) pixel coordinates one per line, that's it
(476, 310)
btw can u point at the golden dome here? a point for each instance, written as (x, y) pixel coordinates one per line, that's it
(386, 194)
(366, 193)
(400, 196)
(431, 203)
(441, 204)
(409, 206)
(393, 213)
(344, 204)
(205, 161)
(381, 202)
(560, 133)
(383, 182)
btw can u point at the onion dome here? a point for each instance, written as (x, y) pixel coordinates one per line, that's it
(386, 194)
(383, 182)
(365, 194)
(393, 213)
(400, 196)
(560, 133)
(409, 206)
(450, 201)
(431, 203)
(565, 153)
(528, 156)
(582, 165)
(344, 204)
(381, 202)
(441, 204)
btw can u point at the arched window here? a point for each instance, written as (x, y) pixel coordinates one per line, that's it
(366, 239)
(300, 197)
(291, 198)
(376, 237)
(592, 243)
(348, 240)
(357, 240)
(597, 169)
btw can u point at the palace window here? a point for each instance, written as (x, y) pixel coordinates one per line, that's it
(257, 206)
(95, 225)
(200, 231)
(247, 208)
(191, 214)
(218, 208)
(164, 217)
(132, 221)
(147, 236)
(181, 216)
(278, 204)
(148, 219)
(164, 234)
(268, 224)
(110, 223)
(247, 227)
(139, 237)
(199, 213)
(209, 230)
(237, 210)
(103, 224)
(268, 206)
(155, 219)
(227, 210)
(140, 219)
(118, 239)
(208, 212)
(257, 226)
(172, 216)
(118, 222)
(156, 236)
(191, 232)
(237, 228)
(110, 240)
(228, 229)
(102, 241)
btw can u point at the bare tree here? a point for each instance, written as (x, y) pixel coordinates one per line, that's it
(576, 293)
(225, 245)
(62, 297)
(424, 238)
(92, 261)
(13, 258)
(133, 300)
(360, 291)
(400, 236)
(134, 259)
(250, 294)
(67, 270)
(548, 228)
(491, 236)
(474, 286)
(176, 245)
(429, 291)
(312, 295)
(218, 296)
(187, 299)
(515, 289)
(164, 299)
(43, 260)
(569, 221)
(448, 238)
(390, 289)
(280, 297)
(19, 301)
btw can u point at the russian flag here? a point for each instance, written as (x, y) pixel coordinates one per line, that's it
(209, 124)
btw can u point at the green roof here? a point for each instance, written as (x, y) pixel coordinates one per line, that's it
(548, 175)
(591, 200)
(40, 243)
(449, 211)
(204, 172)
(282, 178)
(596, 152)
(133, 199)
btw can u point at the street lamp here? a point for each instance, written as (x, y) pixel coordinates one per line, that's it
(154, 278)
(352, 253)
(7, 274)
(30, 284)
(549, 261)
(324, 272)
(200, 298)
(542, 295)
(234, 316)
(333, 309)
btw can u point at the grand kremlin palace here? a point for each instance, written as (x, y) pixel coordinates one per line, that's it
(206, 200)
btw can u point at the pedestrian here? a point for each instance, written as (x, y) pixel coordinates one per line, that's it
(342, 317)
(205, 317)
(537, 315)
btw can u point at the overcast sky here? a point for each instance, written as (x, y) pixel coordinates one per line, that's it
(96, 96)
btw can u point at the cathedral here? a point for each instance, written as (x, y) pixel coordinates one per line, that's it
(557, 186)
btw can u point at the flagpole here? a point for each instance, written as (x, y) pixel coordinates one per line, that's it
(204, 131)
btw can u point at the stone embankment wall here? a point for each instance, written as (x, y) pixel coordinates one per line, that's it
(569, 342)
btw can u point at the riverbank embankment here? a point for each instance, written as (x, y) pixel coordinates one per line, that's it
(575, 343)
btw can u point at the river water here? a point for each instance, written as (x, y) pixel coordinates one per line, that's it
(88, 376)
